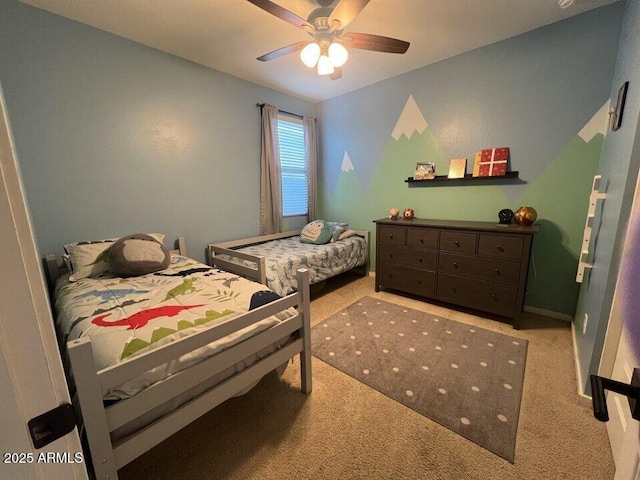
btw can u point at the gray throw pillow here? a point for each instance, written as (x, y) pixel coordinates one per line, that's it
(138, 254)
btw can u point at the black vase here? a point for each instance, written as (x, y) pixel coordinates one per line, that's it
(505, 216)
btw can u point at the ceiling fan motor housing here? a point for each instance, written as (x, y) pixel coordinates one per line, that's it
(319, 18)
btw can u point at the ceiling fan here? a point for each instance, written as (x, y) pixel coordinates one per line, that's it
(326, 26)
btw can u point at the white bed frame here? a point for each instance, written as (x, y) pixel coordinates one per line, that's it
(259, 274)
(91, 385)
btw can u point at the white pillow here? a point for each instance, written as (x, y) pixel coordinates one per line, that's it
(68, 247)
(89, 259)
(347, 234)
(92, 258)
(337, 229)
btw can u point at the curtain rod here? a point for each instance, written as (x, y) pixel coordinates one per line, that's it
(281, 111)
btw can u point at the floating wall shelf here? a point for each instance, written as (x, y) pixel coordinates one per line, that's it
(468, 178)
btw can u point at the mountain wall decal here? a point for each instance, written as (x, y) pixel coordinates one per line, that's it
(411, 120)
(347, 165)
(599, 123)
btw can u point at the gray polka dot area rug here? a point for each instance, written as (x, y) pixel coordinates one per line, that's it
(466, 378)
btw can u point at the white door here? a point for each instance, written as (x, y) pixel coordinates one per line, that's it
(623, 347)
(32, 380)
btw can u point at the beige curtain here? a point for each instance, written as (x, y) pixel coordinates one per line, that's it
(270, 180)
(311, 145)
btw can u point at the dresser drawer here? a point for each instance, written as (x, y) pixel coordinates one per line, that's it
(492, 297)
(422, 238)
(420, 282)
(459, 242)
(411, 257)
(493, 269)
(389, 234)
(504, 246)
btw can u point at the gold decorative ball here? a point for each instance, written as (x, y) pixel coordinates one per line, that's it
(525, 216)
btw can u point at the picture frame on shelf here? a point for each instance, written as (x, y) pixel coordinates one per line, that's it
(425, 171)
(457, 168)
(476, 164)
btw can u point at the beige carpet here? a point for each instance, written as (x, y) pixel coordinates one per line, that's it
(346, 430)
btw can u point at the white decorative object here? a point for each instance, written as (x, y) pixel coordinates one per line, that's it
(347, 164)
(411, 120)
(588, 227)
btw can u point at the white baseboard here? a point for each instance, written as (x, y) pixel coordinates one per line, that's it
(583, 400)
(548, 313)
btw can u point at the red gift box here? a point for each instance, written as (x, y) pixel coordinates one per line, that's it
(494, 162)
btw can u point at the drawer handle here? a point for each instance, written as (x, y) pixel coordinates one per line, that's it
(500, 248)
(390, 276)
(422, 240)
(390, 237)
(455, 264)
(494, 296)
(453, 289)
(391, 255)
(498, 272)
(456, 243)
(420, 260)
(419, 282)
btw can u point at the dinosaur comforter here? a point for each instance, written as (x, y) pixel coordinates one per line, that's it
(127, 316)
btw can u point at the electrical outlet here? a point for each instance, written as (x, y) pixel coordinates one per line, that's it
(584, 323)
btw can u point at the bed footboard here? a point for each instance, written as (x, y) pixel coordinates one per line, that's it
(100, 421)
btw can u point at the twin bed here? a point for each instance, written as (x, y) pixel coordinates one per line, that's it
(274, 259)
(149, 354)
(146, 355)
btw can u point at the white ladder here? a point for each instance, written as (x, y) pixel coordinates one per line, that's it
(586, 238)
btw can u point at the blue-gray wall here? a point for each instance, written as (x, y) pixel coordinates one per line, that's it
(113, 137)
(533, 93)
(619, 167)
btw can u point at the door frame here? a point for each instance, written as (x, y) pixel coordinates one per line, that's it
(615, 323)
(30, 363)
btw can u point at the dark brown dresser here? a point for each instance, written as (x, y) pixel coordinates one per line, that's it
(479, 265)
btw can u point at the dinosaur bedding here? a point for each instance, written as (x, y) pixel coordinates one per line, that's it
(284, 256)
(128, 316)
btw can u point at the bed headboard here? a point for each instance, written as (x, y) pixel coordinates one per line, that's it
(54, 268)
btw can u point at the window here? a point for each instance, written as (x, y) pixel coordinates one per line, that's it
(293, 163)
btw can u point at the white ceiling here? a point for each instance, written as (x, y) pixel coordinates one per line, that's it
(228, 35)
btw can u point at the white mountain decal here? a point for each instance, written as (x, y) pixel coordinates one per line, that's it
(411, 120)
(347, 165)
(599, 123)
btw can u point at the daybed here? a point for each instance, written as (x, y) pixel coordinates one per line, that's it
(273, 259)
(150, 354)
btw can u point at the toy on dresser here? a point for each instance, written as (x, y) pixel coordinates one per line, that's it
(408, 213)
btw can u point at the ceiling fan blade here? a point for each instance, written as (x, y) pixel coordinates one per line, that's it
(280, 12)
(376, 43)
(282, 51)
(345, 12)
(337, 73)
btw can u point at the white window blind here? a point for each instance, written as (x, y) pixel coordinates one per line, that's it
(293, 162)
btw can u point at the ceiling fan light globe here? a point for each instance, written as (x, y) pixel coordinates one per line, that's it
(310, 54)
(338, 54)
(325, 67)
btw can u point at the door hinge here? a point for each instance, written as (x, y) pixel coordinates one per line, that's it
(52, 425)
